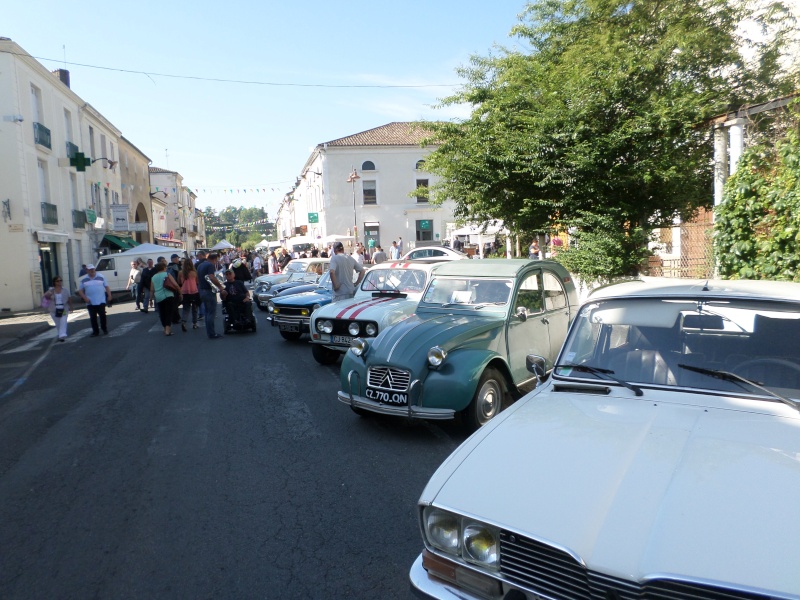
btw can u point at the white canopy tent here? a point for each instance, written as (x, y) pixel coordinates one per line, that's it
(223, 245)
(329, 239)
(483, 233)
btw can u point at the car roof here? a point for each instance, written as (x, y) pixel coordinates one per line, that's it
(406, 264)
(660, 287)
(494, 267)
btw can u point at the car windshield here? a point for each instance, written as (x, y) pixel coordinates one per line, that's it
(467, 291)
(325, 281)
(407, 281)
(712, 344)
(295, 267)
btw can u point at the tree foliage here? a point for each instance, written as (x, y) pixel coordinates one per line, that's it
(757, 225)
(603, 116)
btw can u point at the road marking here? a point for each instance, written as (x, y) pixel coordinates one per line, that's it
(79, 335)
(122, 329)
(14, 365)
(18, 383)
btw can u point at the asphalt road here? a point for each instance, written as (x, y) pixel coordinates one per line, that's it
(140, 466)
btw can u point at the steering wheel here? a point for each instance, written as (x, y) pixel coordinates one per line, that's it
(777, 362)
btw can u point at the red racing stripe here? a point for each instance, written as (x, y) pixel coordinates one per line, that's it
(365, 307)
(339, 316)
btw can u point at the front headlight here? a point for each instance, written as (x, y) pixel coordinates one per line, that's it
(371, 329)
(324, 326)
(271, 306)
(315, 307)
(436, 356)
(304, 312)
(353, 329)
(473, 541)
(358, 347)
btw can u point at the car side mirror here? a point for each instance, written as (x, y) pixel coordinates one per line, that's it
(536, 365)
(522, 313)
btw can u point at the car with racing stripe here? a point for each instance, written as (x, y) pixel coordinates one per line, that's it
(389, 293)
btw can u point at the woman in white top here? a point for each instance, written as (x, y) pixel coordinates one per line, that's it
(60, 305)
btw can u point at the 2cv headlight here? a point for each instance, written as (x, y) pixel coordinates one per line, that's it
(358, 346)
(436, 356)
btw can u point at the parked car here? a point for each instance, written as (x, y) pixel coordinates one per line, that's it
(263, 283)
(388, 293)
(463, 352)
(660, 459)
(434, 254)
(298, 282)
(291, 314)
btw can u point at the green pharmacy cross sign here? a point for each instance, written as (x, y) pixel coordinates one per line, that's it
(80, 161)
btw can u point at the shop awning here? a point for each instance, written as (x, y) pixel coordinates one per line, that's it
(51, 236)
(123, 243)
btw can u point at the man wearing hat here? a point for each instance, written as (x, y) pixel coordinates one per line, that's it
(174, 266)
(342, 268)
(95, 292)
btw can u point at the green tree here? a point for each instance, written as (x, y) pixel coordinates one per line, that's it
(602, 119)
(757, 225)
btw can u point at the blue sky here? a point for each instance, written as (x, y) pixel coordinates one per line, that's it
(236, 136)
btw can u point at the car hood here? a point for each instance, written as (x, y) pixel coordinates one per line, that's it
(270, 279)
(637, 487)
(306, 299)
(368, 309)
(286, 289)
(408, 341)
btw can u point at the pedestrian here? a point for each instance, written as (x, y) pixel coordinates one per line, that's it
(358, 255)
(190, 293)
(60, 305)
(379, 256)
(165, 290)
(394, 252)
(400, 245)
(208, 284)
(144, 285)
(533, 250)
(257, 263)
(342, 268)
(272, 264)
(134, 277)
(174, 266)
(95, 292)
(83, 271)
(285, 259)
(201, 258)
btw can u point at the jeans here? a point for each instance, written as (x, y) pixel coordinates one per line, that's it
(209, 300)
(135, 293)
(94, 311)
(191, 302)
(144, 296)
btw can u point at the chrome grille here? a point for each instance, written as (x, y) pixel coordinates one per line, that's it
(554, 573)
(388, 378)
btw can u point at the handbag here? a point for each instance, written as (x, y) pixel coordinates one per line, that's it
(59, 313)
(171, 285)
(45, 302)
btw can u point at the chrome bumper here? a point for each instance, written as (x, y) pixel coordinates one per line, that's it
(411, 411)
(430, 588)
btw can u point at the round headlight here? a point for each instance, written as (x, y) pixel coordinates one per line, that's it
(442, 529)
(371, 329)
(436, 356)
(271, 306)
(353, 329)
(267, 286)
(480, 544)
(324, 326)
(315, 307)
(358, 346)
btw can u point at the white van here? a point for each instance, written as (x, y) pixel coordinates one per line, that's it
(116, 268)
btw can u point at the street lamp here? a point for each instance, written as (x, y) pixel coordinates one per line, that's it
(352, 179)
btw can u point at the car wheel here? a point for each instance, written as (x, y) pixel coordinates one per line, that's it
(323, 355)
(487, 401)
(290, 335)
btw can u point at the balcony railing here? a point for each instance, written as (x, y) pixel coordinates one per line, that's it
(41, 135)
(72, 149)
(79, 219)
(49, 214)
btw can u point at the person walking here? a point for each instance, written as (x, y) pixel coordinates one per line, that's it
(272, 264)
(342, 268)
(187, 279)
(95, 292)
(144, 285)
(134, 277)
(60, 306)
(165, 291)
(208, 284)
(379, 256)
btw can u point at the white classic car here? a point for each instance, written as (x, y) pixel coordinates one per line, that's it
(389, 293)
(661, 459)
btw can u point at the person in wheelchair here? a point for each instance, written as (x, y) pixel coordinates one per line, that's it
(236, 299)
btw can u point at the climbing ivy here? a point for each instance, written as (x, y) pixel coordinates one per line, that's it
(757, 225)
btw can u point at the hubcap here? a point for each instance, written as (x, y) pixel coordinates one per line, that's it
(488, 401)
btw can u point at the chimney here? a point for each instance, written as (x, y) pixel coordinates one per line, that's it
(63, 75)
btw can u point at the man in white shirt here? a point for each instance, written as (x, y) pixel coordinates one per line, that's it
(394, 252)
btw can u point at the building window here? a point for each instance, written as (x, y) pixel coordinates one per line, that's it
(425, 230)
(420, 166)
(91, 142)
(368, 165)
(36, 103)
(73, 191)
(370, 192)
(422, 195)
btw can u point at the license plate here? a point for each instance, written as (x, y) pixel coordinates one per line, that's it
(289, 327)
(398, 398)
(341, 339)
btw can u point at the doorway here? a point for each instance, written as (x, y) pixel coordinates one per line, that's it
(372, 236)
(48, 263)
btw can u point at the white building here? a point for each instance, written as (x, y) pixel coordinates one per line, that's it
(379, 204)
(177, 225)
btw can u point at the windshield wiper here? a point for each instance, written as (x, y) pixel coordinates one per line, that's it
(603, 373)
(485, 304)
(733, 377)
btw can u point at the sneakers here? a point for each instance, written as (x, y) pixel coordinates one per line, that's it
(216, 336)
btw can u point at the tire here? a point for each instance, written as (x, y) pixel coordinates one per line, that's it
(488, 401)
(290, 335)
(323, 355)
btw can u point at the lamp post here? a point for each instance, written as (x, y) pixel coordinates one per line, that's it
(352, 179)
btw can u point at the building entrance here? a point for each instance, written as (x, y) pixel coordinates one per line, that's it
(48, 263)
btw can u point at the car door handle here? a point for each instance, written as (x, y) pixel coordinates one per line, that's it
(545, 321)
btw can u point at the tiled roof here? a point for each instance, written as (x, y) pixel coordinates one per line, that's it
(160, 170)
(393, 134)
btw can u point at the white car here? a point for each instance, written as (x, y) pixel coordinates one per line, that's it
(389, 293)
(661, 459)
(434, 254)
